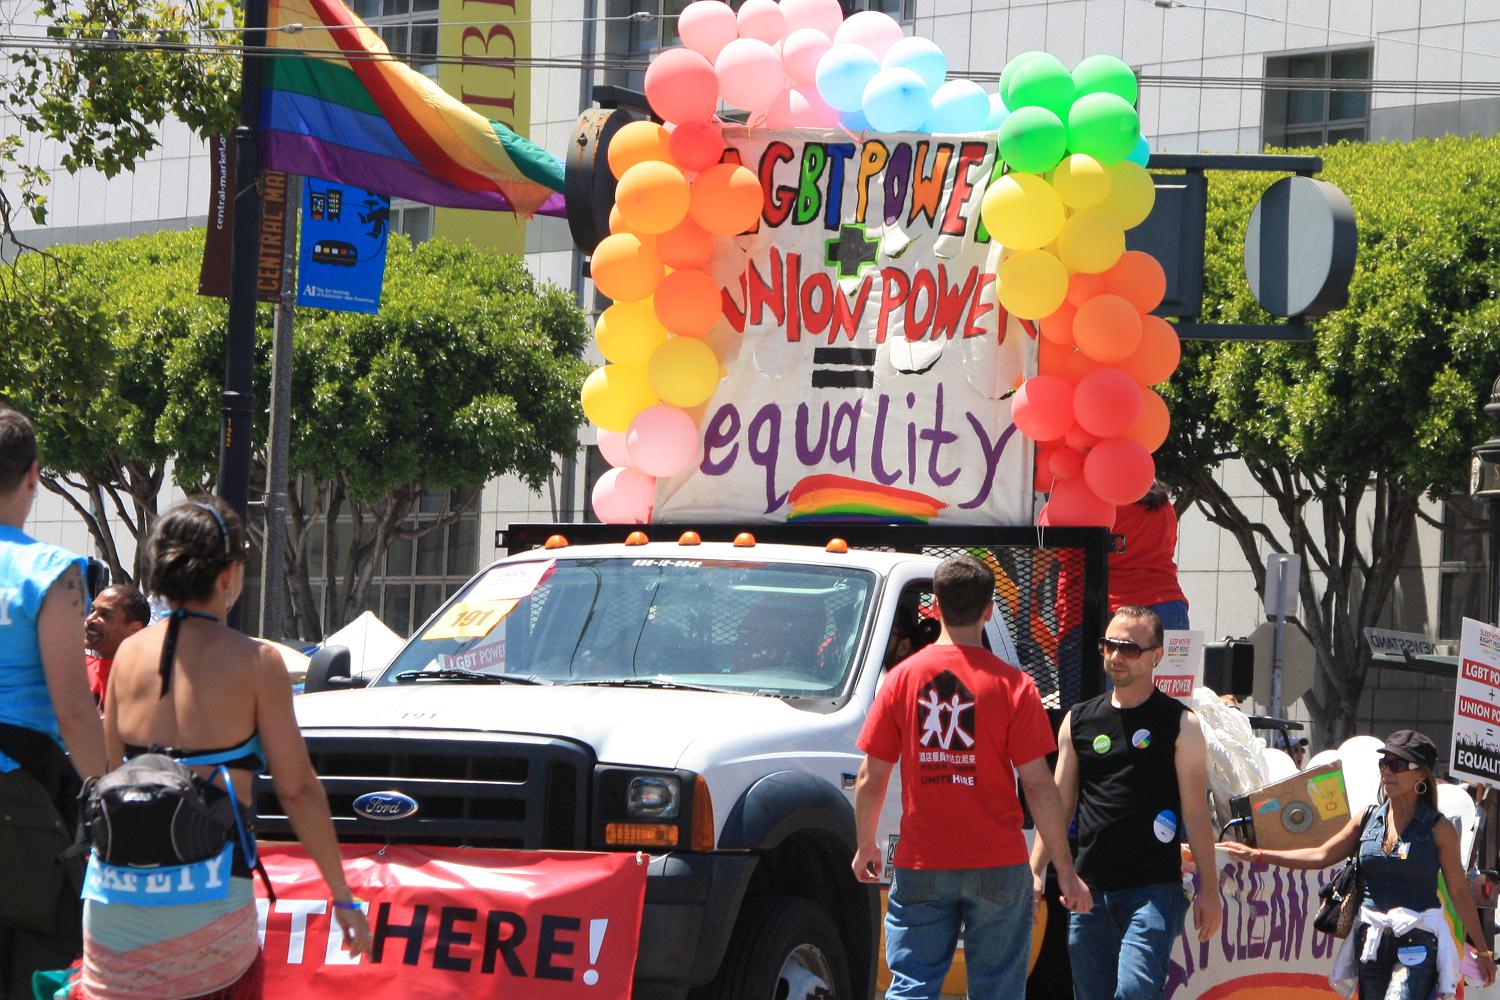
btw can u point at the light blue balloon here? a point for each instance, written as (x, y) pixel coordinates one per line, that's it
(959, 106)
(842, 75)
(1141, 153)
(920, 55)
(855, 121)
(896, 101)
(998, 114)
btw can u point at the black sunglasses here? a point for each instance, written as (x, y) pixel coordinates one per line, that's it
(1397, 764)
(1126, 648)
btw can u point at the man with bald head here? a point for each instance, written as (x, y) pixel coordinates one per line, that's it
(119, 612)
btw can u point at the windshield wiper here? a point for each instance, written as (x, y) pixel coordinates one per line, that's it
(468, 676)
(650, 682)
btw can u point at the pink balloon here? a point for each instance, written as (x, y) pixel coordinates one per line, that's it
(1065, 463)
(1042, 408)
(663, 440)
(681, 85)
(706, 26)
(762, 19)
(800, 54)
(1072, 503)
(1107, 402)
(624, 496)
(1119, 471)
(871, 29)
(612, 448)
(750, 74)
(808, 109)
(819, 15)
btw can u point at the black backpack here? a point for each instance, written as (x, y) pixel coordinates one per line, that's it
(152, 812)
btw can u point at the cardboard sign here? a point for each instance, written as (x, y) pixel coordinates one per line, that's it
(342, 259)
(450, 922)
(511, 581)
(1181, 666)
(869, 363)
(1475, 753)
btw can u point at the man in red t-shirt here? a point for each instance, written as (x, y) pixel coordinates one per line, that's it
(962, 724)
(119, 612)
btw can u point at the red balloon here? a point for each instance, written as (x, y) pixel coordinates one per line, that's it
(697, 145)
(1107, 329)
(1065, 463)
(681, 86)
(1138, 277)
(1042, 408)
(1080, 440)
(1107, 402)
(1119, 471)
(1058, 327)
(1073, 503)
(1158, 354)
(1041, 480)
(1151, 427)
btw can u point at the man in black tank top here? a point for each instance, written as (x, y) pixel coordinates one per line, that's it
(1134, 764)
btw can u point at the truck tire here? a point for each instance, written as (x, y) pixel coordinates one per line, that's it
(784, 948)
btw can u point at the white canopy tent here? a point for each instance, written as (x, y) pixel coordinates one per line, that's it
(371, 644)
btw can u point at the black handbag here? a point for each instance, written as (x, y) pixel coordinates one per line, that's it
(1344, 894)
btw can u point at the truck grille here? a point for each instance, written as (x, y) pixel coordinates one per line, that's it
(471, 789)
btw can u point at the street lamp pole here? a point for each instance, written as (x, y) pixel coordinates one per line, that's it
(238, 411)
(1484, 483)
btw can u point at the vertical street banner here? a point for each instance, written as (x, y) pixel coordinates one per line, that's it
(213, 276)
(341, 264)
(455, 922)
(1475, 753)
(868, 362)
(1181, 666)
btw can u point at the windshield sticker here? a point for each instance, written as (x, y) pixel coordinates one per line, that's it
(470, 620)
(511, 581)
(673, 563)
(484, 658)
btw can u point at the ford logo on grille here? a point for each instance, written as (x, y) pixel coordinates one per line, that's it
(385, 805)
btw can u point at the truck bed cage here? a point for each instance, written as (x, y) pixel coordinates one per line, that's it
(1052, 584)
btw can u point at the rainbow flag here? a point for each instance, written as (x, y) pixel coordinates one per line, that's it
(828, 497)
(341, 108)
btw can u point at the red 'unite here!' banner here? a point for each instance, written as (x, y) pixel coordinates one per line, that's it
(455, 922)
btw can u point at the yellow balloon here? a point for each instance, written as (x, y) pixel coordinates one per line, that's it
(1081, 181)
(684, 371)
(1091, 242)
(628, 332)
(1131, 193)
(1033, 283)
(614, 394)
(1022, 211)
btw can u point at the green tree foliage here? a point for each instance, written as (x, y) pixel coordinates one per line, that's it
(103, 77)
(470, 371)
(1348, 432)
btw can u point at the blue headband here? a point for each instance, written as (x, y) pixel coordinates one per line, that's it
(223, 529)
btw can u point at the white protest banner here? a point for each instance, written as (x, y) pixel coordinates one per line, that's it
(1181, 666)
(868, 361)
(1476, 705)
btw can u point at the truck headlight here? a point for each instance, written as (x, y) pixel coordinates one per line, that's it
(653, 797)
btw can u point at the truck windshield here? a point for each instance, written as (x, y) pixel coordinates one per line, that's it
(766, 628)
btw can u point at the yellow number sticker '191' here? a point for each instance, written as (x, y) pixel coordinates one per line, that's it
(470, 620)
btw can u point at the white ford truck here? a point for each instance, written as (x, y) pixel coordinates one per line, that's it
(695, 699)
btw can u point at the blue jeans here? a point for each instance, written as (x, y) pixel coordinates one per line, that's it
(1119, 950)
(925, 910)
(1405, 967)
(1173, 614)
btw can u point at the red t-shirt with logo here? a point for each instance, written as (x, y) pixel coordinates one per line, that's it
(959, 720)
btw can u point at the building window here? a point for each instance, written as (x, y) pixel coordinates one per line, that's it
(412, 219)
(409, 29)
(901, 10)
(1317, 116)
(1461, 571)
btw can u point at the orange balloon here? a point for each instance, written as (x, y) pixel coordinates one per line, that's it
(685, 246)
(1079, 365)
(1139, 278)
(625, 268)
(1151, 427)
(727, 199)
(1052, 357)
(1058, 327)
(617, 224)
(1082, 287)
(1107, 329)
(689, 303)
(638, 142)
(652, 197)
(1158, 354)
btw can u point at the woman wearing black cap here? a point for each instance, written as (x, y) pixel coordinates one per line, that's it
(1402, 945)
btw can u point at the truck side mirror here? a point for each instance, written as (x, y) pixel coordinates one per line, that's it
(329, 670)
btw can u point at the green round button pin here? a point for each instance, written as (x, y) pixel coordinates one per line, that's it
(1102, 743)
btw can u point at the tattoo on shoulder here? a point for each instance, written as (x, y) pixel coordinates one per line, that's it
(73, 588)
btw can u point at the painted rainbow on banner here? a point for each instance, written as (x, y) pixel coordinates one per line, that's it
(340, 108)
(830, 497)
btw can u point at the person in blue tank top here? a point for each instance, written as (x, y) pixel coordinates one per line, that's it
(45, 708)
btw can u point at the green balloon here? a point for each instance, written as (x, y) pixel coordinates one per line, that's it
(1032, 140)
(1042, 81)
(1105, 75)
(1104, 126)
(1011, 69)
